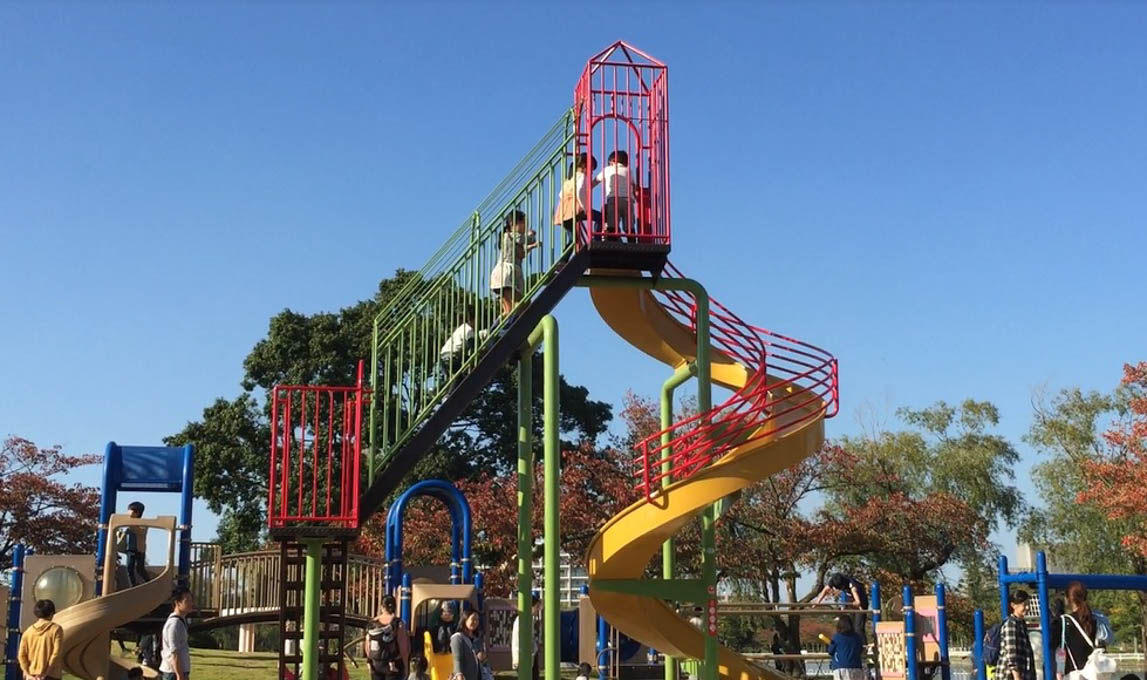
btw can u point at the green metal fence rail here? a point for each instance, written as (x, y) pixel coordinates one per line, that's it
(408, 379)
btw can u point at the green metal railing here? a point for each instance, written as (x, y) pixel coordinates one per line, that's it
(409, 379)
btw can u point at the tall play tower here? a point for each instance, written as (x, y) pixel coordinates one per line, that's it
(577, 232)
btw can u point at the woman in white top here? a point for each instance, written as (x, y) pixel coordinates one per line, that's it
(619, 191)
(506, 279)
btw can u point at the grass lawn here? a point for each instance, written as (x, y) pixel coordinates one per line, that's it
(216, 664)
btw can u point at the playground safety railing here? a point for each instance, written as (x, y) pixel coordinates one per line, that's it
(245, 583)
(621, 103)
(316, 444)
(790, 383)
(409, 376)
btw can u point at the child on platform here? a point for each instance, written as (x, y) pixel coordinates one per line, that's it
(846, 650)
(619, 189)
(571, 203)
(515, 241)
(133, 543)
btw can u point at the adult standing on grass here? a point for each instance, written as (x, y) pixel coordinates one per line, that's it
(1017, 659)
(176, 654)
(466, 666)
(388, 644)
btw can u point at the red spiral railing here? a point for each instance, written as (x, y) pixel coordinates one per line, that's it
(791, 383)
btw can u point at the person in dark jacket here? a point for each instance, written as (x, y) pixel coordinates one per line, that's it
(445, 628)
(1076, 632)
(851, 593)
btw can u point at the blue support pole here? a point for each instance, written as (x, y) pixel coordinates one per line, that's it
(602, 649)
(978, 645)
(113, 469)
(874, 600)
(405, 602)
(12, 669)
(942, 632)
(1044, 614)
(1002, 567)
(187, 495)
(910, 634)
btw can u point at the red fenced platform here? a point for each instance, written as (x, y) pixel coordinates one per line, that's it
(316, 447)
(621, 107)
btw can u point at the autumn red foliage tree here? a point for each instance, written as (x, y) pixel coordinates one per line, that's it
(39, 510)
(595, 485)
(1117, 479)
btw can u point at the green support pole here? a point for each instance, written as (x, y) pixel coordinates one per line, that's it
(547, 332)
(371, 422)
(668, 551)
(525, 515)
(310, 669)
(709, 576)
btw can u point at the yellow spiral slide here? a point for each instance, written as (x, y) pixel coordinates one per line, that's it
(781, 432)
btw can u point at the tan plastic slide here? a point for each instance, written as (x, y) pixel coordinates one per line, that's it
(88, 625)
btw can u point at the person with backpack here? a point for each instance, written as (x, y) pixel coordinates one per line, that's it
(388, 644)
(175, 661)
(147, 651)
(1076, 633)
(1015, 657)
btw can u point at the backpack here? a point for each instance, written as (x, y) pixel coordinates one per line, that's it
(992, 644)
(147, 652)
(382, 644)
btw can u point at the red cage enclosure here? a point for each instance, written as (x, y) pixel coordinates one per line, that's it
(621, 118)
(316, 446)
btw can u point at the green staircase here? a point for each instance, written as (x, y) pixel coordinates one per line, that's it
(409, 384)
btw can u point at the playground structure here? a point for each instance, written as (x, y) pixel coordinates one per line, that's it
(1043, 582)
(91, 603)
(783, 389)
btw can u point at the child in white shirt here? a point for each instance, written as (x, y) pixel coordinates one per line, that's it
(460, 345)
(619, 191)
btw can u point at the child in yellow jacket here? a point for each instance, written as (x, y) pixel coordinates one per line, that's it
(40, 646)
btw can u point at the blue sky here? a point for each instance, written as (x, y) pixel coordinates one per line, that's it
(950, 197)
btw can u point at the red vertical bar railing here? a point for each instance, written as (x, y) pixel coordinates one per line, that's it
(305, 488)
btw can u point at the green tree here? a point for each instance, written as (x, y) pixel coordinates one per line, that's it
(1079, 534)
(232, 436)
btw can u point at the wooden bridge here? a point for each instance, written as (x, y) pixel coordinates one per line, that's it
(243, 588)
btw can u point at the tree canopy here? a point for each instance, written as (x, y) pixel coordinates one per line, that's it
(39, 510)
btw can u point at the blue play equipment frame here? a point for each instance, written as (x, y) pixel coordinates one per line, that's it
(1044, 581)
(461, 565)
(148, 468)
